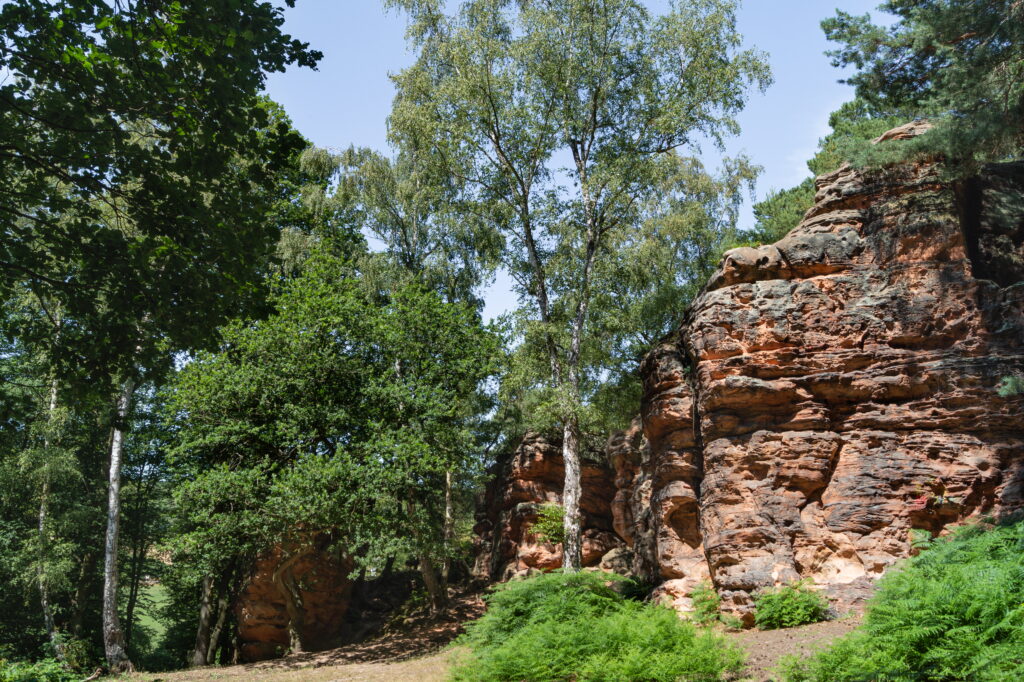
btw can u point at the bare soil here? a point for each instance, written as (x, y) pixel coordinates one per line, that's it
(765, 647)
(413, 650)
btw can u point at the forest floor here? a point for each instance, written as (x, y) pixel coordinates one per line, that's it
(765, 647)
(420, 652)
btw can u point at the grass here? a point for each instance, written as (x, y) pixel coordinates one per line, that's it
(153, 598)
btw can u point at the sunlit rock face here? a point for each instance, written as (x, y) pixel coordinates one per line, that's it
(830, 392)
(532, 475)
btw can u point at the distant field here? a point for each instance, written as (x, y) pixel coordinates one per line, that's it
(152, 599)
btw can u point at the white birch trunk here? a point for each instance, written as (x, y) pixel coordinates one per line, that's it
(44, 510)
(572, 549)
(113, 637)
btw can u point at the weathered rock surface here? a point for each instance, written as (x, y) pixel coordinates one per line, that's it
(311, 585)
(830, 392)
(533, 475)
(844, 379)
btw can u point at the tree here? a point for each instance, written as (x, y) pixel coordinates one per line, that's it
(337, 419)
(411, 207)
(854, 125)
(555, 116)
(958, 62)
(138, 161)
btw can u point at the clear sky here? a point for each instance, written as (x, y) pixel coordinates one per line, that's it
(348, 99)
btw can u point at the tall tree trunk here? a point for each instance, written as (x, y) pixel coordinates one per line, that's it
(201, 649)
(436, 589)
(113, 637)
(218, 627)
(572, 551)
(284, 580)
(44, 510)
(449, 529)
(80, 599)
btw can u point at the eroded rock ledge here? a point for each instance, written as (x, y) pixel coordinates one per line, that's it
(824, 396)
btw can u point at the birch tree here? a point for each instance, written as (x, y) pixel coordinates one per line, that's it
(554, 116)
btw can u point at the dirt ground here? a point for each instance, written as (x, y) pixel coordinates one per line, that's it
(765, 647)
(430, 668)
(420, 654)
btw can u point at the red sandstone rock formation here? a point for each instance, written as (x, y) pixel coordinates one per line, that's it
(298, 601)
(826, 394)
(834, 390)
(532, 475)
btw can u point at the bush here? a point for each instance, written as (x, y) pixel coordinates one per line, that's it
(46, 670)
(954, 612)
(550, 523)
(789, 606)
(574, 626)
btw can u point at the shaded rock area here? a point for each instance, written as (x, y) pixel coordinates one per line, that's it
(824, 395)
(302, 595)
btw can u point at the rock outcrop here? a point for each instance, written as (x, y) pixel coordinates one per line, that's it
(830, 392)
(293, 601)
(530, 476)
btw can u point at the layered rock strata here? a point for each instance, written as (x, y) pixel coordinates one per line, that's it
(532, 475)
(829, 393)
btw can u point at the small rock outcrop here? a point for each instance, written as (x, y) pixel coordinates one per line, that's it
(829, 393)
(298, 595)
(530, 476)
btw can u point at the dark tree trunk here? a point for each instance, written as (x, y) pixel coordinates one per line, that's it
(200, 651)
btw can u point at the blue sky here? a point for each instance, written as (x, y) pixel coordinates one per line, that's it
(348, 99)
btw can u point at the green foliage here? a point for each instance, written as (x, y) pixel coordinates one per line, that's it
(954, 612)
(46, 670)
(503, 94)
(957, 62)
(1011, 386)
(781, 211)
(575, 626)
(789, 606)
(854, 125)
(342, 415)
(705, 603)
(141, 164)
(550, 523)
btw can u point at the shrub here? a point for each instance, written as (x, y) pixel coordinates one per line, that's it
(954, 612)
(574, 626)
(550, 523)
(789, 606)
(46, 670)
(705, 603)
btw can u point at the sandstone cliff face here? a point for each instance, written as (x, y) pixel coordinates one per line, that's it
(828, 393)
(306, 592)
(533, 475)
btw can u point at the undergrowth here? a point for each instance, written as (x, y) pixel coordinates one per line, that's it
(46, 670)
(574, 626)
(789, 606)
(954, 612)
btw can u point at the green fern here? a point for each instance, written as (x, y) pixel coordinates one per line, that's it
(955, 612)
(575, 627)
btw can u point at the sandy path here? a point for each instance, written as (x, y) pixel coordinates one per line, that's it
(430, 668)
